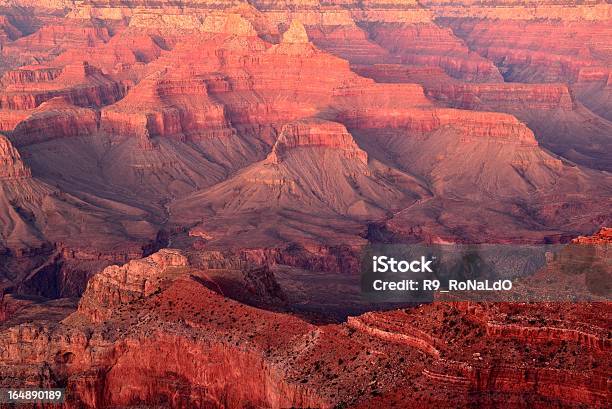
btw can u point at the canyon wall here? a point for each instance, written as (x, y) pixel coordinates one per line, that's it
(155, 326)
(11, 165)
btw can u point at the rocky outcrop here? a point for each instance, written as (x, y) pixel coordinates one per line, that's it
(124, 51)
(118, 285)
(315, 168)
(350, 42)
(8, 32)
(535, 51)
(497, 126)
(411, 337)
(316, 133)
(166, 104)
(29, 74)
(172, 340)
(460, 369)
(603, 236)
(84, 359)
(51, 36)
(55, 119)
(295, 34)
(498, 323)
(522, 10)
(81, 84)
(11, 164)
(374, 37)
(229, 23)
(508, 97)
(64, 34)
(166, 21)
(10, 119)
(68, 265)
(433, 46)
(553, 111)
(335, 259)
(182, 382)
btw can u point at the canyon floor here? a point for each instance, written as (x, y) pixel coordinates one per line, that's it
(188, 188)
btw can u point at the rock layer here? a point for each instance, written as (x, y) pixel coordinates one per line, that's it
(215, 349)
(11, 164)
(316, 133)
(54, 119)
(271, 141)
(81, 84)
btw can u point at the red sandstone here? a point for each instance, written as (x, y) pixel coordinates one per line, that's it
(271, 142)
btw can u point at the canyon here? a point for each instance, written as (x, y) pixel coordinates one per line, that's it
(188, 188)
(165, 314)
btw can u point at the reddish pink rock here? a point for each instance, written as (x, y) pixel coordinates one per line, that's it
(81, 84)
(11, 165)
(316, 133)
(55, 119)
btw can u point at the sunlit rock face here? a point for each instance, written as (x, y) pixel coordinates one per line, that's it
(12, 166)
(448, 353)
(187, 189)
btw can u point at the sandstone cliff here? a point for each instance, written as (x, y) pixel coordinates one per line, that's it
(166, 104)
(53, 119)
(316, 133)
(219, 352)
(80, 83)
(11, 165)
(271, 141)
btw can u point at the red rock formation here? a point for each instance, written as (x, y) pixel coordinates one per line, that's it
(508, 97)
(119, 285)
(552, 111)
(316, 133)
(311, 257)
(126, 50)
(295, 34)
(506, 322)
(275, 163)
(454, 369)
(399, 33)
(316, 169)
(601, 237)
(10, 119)
(8, 32)
(405, 335)
(64, 34)
(521, 10)
(167, 104)
(497, 126)
(274, 390)
(526, 51)
(430, 45)
(349, 42)
(428, 356)
(596, 95)
(28, 74)
(549, 43)
(54, 119)
(80, 83)
(11, 165)
(229, 23)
